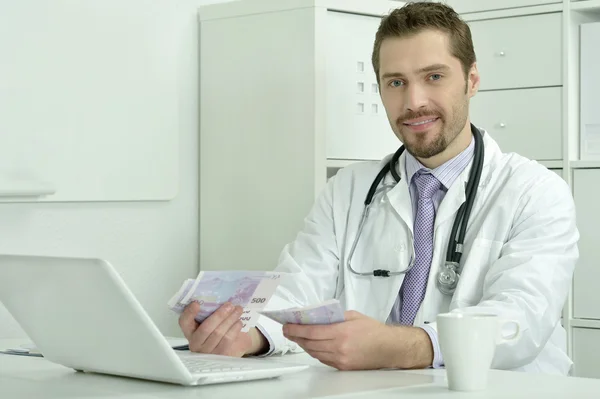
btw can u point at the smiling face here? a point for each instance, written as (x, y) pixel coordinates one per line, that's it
(426, 93)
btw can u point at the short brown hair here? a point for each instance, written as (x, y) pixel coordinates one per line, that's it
(413, 18)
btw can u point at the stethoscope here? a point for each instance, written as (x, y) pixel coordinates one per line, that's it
(449, 274)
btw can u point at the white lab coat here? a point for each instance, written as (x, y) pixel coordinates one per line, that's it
(518, 262)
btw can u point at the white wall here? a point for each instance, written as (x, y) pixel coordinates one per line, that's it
(153, 245)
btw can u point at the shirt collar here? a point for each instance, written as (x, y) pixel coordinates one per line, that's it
(447, 172)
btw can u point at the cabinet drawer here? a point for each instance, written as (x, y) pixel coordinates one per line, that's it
(519, 52)
(586, 295)
(589, 83)
(464, 6)
(356, 123)
(525, 121)
(586, 346)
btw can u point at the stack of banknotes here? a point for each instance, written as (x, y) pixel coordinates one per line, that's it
(328, 312)
(211, 289)
(251, 290)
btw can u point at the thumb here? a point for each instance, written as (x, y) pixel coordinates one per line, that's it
(187, 321)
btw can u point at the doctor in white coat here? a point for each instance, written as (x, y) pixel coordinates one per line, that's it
(520, 243)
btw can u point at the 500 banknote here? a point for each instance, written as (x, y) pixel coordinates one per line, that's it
(327, 312)
(211, 289)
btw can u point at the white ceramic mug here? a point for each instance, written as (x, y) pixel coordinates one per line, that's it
(468, 342)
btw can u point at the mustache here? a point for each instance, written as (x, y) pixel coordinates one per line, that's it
(414, 115)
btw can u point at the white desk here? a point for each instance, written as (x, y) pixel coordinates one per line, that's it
(30, 377)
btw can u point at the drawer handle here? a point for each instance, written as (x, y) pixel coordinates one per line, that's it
(501, 53)
(502, 125)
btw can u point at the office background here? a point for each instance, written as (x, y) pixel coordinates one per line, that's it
(261, 126)
(152, 243)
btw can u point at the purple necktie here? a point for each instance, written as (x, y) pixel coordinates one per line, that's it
(415, 281)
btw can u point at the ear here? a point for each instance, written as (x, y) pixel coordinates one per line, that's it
(473, 81)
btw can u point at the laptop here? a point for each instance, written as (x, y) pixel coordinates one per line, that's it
(80, 314)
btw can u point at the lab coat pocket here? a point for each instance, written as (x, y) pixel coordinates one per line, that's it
(477, 260)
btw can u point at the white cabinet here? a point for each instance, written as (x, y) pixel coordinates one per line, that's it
(518, 52)
(590, 91)
(527, 121)
(467, 6)
(257, 136)
(520, 99)
(586, 296)
(270, 101)
(586, 347)
(357, 126)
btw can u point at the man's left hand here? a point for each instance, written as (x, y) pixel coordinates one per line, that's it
(363, 343)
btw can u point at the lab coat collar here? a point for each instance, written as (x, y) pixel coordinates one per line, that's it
(399, 196)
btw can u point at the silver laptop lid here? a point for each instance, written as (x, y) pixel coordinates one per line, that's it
(80, 314)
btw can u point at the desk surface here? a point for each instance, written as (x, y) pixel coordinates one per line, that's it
(31, 377)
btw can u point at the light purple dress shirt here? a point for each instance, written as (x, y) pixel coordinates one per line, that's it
(446, 174)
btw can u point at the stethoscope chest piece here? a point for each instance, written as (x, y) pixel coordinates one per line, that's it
(447, 278)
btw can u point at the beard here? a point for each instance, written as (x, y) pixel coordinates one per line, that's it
(425, 145)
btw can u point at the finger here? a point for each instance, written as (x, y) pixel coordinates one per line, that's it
(186, 320)
(219, 331)
(208, 326)
(312, 332)
(228, 346)
(316, 346)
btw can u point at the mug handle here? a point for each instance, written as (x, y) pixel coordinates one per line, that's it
(500, 339)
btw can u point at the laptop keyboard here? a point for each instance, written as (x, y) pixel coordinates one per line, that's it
(198, 365)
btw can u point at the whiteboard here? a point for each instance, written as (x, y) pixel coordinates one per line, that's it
(88, 100)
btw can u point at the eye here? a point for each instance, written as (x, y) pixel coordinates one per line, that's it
(396, 83)
(435, 76)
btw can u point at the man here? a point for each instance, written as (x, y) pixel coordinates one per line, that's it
(520, 247)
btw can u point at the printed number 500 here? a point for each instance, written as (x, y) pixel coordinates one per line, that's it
(258, 300)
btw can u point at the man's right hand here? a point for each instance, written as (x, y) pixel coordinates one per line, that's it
(220, 333)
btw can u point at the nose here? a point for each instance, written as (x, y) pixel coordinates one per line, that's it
(416, 97)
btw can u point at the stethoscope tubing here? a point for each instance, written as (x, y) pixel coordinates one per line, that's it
(455, 244)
